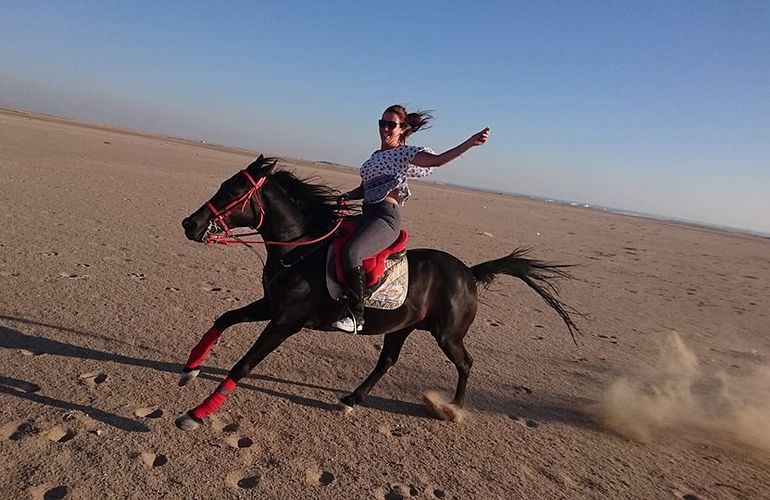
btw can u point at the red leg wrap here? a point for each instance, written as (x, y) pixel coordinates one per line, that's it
(213, 402)
(200, 351)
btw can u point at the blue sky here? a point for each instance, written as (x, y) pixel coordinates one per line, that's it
(658, 107)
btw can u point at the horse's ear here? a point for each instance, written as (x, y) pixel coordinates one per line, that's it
(262, 166)
(256, 164)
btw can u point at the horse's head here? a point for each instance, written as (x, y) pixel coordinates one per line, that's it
(236, 203)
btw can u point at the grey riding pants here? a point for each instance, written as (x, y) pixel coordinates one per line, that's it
(380, 227)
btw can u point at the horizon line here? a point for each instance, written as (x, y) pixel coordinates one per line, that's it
(544, 199)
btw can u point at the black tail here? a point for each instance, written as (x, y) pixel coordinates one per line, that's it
(537, 274)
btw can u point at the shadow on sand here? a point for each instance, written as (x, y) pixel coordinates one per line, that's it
(39, 345)
(16, 387)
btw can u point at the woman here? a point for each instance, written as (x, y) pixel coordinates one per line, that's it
(384, 189)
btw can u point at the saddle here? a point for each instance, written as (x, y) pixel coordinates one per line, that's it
(374, 265)
(387, 272)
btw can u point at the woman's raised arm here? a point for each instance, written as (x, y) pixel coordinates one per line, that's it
(425, 159)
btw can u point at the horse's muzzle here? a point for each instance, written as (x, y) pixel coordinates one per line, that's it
(193, 230)
(188, 224)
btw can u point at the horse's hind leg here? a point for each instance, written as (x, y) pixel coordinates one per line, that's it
(459, 356)
(270, 338)
(451, 343)
(256, 311)
(391, 348)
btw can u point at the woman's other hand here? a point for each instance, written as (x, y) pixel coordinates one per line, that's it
(478, 138)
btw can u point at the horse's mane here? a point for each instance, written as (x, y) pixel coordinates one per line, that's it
(317, 202)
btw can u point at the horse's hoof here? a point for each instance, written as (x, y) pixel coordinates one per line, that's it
(345, 405)
(187, 422)
(188, 376)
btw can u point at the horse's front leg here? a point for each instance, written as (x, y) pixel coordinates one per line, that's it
(256, 311)
(272, 336)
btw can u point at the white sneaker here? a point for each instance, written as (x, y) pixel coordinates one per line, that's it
(348, 325)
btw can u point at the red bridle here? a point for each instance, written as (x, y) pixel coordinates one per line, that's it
(219, 219)
(219, 215)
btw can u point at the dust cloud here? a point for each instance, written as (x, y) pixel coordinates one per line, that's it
(675, 395)
(442, 408)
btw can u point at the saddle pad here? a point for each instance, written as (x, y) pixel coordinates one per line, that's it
(391, 293)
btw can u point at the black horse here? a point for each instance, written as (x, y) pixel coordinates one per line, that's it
(288, 213)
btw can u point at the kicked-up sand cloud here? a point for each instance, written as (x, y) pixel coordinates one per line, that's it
(676, 395)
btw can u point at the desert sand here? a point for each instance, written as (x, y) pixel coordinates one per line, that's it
(102, 297)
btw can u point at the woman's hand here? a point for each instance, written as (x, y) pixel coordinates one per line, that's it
(478, 138)
(353, 194)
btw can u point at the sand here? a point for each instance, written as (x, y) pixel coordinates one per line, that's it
(102, 297)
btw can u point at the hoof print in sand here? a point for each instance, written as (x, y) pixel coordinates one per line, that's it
(148, 412)
(220, 425)
(317, 477)
(92, 379)
(525, 422)
(398, 492)
(240, 443)
(48, 493)
(73, 276)
(241, 480)
(395, 431)
(16, 431)
(229, 427)
(60, 434)
(152, 460)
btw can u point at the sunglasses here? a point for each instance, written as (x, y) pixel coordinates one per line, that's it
(387, 124)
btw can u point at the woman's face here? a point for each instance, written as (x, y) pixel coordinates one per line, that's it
(391, 128)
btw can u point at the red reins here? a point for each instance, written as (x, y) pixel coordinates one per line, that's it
(219, 220)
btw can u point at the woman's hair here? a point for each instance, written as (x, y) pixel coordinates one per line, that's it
(412, 122)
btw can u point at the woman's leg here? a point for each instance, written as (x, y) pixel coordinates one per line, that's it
(380, 228)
